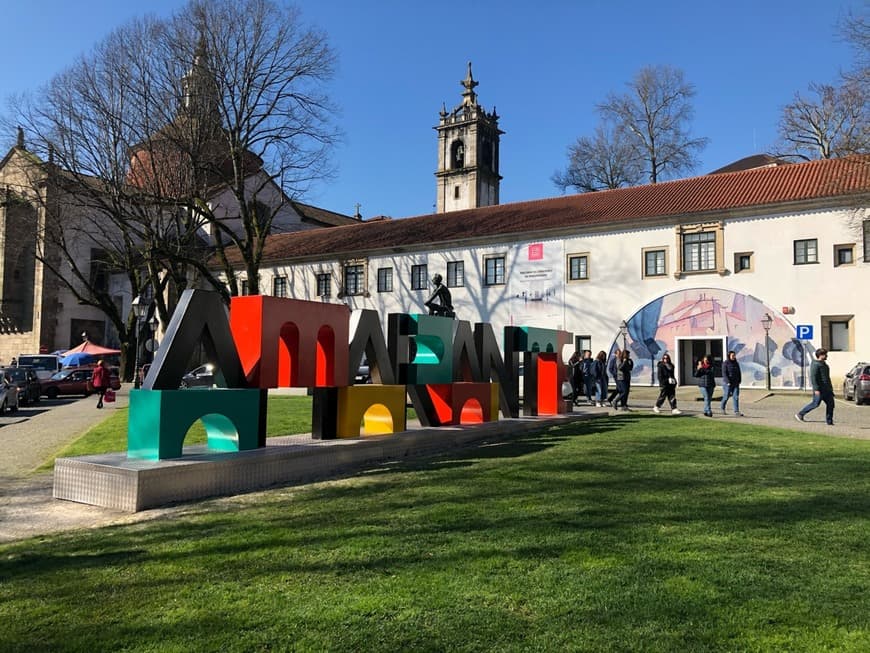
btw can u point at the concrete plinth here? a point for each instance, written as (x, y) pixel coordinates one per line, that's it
(115, 481)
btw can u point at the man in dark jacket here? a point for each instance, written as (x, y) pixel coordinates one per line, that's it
(731, 378)
(823, 389)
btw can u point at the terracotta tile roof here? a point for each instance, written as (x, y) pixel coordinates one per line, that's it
(748, 189)
(316, 214)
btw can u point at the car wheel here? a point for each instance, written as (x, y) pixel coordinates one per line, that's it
(51, 393)
(183, 385)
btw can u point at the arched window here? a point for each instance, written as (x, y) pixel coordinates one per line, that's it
(457, 155)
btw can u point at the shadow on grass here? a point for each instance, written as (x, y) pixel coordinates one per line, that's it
(599, 486)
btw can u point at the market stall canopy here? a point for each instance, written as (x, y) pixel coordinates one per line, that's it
(87, 347)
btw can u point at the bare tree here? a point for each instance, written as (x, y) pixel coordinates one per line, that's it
(605, 161)
(833, 122)
(263, 120)
(655, 115)
(174, 141)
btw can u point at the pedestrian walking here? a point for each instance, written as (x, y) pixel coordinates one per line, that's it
(706, 382)
(623, 378)
(600, 379)
(611, 370)
(731, 378)
(100, 381)
(575, 376)
(588, 365)
(823, 389)
(667, 384)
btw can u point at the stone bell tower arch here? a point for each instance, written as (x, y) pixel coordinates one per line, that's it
(468, 154)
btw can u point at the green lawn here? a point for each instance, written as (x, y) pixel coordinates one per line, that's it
(629, 533)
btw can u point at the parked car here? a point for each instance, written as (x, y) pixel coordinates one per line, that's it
(76, 381)
(856, 384)
(25, 378)
(363, 373)
(8, 397)
(200, 377)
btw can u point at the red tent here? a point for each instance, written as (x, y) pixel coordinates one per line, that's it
(88, 347)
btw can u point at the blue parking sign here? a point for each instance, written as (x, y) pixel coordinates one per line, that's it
(804, 331)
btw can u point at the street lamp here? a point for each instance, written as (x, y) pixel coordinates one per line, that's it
(766, 323)
(140, 310)
(623, 331)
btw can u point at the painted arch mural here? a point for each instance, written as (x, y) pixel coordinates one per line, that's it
(685, 322)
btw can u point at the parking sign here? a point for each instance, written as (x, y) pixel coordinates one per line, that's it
(804, 331)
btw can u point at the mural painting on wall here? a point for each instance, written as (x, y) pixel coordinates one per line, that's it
(700, 313)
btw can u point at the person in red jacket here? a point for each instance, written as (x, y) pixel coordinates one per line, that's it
(100, 381)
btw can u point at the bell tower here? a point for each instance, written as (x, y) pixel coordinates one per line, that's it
(468, 144)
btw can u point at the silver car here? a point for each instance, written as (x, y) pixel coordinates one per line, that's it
(856, 384)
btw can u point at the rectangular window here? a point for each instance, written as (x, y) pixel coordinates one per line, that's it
(455, 274)
(654, 263)
(806, 251)
(354, 280)
(244, 287)
(699, 251)
(582, 343)
(324, 284)
(385, 279)
(839, 336)
(279, 286)
(99, 271)
(493, 271)
(866, 224)
(578, 267)
(844, 255)
(743, 262)
(838, 332)
(419, 276)
(456, 192)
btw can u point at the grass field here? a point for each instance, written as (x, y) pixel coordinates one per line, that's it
(628, 533)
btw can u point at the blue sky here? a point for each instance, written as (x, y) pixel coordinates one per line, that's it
(543, 65)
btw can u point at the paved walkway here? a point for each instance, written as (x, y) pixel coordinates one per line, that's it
(34, 434)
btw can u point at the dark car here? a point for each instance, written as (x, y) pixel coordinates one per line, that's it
(27, 381)
(200, 377)
(856, 385)
(76, 381)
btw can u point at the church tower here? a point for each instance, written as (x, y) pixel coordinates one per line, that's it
(468, 142)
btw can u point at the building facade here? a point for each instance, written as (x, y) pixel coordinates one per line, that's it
(768, 262)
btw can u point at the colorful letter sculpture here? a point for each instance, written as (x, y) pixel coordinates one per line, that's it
(444, 404)
(340, 412)
(544, 369)
(290, 343)
(159, 420)
(453, 375)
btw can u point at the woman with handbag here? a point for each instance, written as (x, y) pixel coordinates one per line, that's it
(668, 385)
(100, 381)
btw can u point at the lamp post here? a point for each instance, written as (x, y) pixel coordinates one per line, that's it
(623, 331)
(766, 323)
(140, 310)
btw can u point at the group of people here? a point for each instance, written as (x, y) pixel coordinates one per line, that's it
(590, 377)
